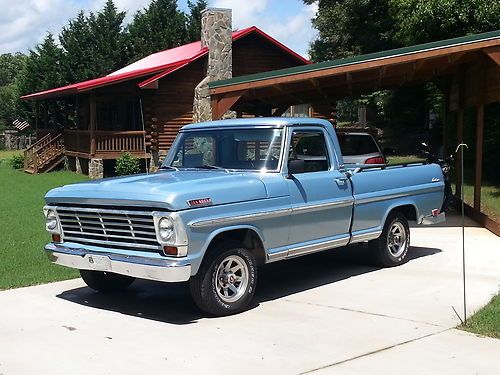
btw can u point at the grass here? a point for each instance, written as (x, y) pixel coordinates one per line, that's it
(490, 199)
(401, 159)
(486, 321)
(22, 259)
(7, 154)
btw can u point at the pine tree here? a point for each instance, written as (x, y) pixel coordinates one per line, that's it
(79, 45)
(194, 19)
(110, 40)
(43, 71)
(158, 27)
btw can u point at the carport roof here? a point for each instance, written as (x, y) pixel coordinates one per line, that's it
(442, 47)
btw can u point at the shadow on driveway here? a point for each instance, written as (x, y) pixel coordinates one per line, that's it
(171, 303)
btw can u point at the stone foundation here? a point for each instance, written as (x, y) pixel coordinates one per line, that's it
(96, 169)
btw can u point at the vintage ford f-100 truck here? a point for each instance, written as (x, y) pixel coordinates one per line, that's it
(231, 196)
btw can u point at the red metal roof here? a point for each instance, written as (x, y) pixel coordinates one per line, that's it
(160, 64)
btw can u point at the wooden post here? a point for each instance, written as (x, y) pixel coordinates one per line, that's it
(479, 131)
(92, 124)
(460, 128)
(479, 155)
(460, 138)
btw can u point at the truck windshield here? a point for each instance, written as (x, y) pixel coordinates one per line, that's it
(247, 149)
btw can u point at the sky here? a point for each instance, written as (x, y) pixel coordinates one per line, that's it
(24, 23)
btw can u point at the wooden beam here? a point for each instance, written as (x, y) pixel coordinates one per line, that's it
(376, 63)
(284, 92)
(493, 53)
(222, 104)
(280, 110)
(348, 78)
(92, 123)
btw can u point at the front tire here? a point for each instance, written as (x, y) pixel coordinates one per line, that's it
(106, 281)
(226, 281)
(391, 248)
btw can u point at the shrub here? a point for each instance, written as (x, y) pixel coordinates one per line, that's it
(17, 161)
(127, 165)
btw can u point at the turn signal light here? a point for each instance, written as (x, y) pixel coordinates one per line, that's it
(56, 238)
(376, 160)
(170, 250)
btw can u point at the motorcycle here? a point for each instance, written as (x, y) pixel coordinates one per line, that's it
(445, 164)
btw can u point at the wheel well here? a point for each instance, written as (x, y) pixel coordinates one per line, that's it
(249, 238)
(408, 210)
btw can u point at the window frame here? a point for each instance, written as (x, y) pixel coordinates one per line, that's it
(332, 161)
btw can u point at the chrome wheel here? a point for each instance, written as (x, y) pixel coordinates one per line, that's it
(396, 239)
(232, 279)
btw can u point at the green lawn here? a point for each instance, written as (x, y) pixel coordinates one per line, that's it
(487, 320)
(398, 159)
(490, 199)
(22, 259)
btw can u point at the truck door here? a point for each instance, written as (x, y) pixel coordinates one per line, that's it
(320, 194)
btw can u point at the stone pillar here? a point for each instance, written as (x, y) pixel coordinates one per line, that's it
(78, 166)
(96, 169)
(11, 139)
(216, 35)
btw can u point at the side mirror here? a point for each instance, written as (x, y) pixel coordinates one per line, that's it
(389, 151)
(296, 166)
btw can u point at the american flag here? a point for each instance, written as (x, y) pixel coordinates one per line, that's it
(20, 125)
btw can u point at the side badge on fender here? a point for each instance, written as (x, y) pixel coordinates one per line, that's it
(199, 202)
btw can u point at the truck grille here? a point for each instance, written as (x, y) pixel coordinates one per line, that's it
(109, 228)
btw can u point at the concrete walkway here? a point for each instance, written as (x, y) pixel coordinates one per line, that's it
(325, 313)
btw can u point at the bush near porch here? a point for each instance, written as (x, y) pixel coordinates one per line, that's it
(22, 259)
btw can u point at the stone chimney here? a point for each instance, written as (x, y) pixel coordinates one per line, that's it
(216, 35)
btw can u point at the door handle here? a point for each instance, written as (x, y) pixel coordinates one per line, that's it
(341, 180)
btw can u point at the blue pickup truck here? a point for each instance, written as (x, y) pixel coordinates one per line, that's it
(231, 196)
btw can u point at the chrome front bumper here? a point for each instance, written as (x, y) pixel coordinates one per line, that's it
(166, 270)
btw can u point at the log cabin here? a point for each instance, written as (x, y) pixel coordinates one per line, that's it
(140, 108)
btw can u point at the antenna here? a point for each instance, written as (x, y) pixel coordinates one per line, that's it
(144, 138)
(461, 147)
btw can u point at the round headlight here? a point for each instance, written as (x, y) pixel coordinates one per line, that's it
(51, 221)
(166, 229)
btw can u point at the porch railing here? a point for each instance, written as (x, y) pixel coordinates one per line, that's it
(106, 143)
(109, 141)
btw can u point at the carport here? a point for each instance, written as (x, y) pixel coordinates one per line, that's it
(465, 69)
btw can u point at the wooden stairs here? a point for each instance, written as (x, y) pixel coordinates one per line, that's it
(46, 154)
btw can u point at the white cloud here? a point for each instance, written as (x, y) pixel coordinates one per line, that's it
(24, 23)
(291, 27)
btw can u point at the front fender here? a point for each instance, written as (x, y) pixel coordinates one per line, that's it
(198, 254)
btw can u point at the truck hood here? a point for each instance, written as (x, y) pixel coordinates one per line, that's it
(169, 190)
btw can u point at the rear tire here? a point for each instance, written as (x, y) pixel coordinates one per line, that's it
(106, 281)
(226, 281)
(391, 248)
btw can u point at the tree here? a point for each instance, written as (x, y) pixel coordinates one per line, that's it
(79, 62)
(194, 19)
(420, 21)
(110, 39)
(351, 27)
(10, 67)
(158, 27)
(42, 71)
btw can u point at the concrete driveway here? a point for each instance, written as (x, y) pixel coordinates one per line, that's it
(326, 313)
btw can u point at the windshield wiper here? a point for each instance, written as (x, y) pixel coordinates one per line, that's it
(208, 166)
(168, 167)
